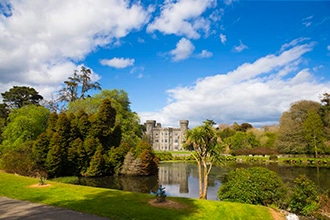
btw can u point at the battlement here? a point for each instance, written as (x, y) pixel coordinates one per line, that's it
(166, 138)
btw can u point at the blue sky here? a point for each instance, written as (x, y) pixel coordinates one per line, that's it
(229, 61)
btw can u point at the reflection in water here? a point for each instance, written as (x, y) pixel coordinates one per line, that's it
(181, 179)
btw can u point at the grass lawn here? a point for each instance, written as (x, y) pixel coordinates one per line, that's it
(116, 204)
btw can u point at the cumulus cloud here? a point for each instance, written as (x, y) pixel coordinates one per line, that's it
(223, 38)
(118, 62)
(184, 48)
(42, 42)
(239, 48)
(256, 92)
(183, 18)
(205, 54)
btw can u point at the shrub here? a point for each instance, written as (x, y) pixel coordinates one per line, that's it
(164, 156)
(304, 198)
(255, 185)
(18, 160)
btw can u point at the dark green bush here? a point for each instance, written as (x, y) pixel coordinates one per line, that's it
(304, 197)
(255, 185)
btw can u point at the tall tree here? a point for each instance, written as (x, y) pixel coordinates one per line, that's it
(19, 96)
(313, 128)
(86, 82)
(70, 92)
(203, 140)
(80, 80)
(25, 124)
(291, 137)
(128, 121)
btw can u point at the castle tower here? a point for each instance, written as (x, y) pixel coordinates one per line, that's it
(183, 132)
(150, 125)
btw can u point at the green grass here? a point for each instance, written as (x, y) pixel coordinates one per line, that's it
(116, 204)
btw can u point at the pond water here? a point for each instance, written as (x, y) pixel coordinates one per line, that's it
(181, 179)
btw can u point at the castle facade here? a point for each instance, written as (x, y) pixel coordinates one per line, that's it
(167, 138)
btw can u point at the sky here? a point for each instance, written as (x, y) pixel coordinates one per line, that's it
(227, 61)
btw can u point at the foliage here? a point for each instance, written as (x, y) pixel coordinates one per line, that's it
(304, 198)
(291, 136)
(255, 185)
(313, 130)
(242, 140)
(164, 156)
(129, 121)
(18, 160)
(141, 161)
(204, 141)
(18, 96)
(25, 124)
(116, 157)
(80, 80)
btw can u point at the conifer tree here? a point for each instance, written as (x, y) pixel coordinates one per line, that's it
(98, 163)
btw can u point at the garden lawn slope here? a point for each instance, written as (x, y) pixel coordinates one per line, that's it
(116, 204)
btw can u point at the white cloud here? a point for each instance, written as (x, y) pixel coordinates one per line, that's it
(328, 47)
(240, 47)
(118, 62)
(183, 50)
(307, 21)
(42, 42)
(217, 14)
(205, 54)
(182, 18)
(294, 42)
(223, 38)
(257, 92)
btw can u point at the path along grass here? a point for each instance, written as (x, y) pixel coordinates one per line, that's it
(116, 204)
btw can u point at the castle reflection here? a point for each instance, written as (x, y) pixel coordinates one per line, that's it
(175, 173)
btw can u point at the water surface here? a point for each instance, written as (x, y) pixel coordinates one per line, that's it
(181, 179)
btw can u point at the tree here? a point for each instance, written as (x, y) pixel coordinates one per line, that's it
(291, 137)
(25, 124)
(313, 129)
(4, 112)
(128, 121)
(80, 80)
(242, 140)
(103, 124)
(18, 96)
(203, 141)
(85, 80)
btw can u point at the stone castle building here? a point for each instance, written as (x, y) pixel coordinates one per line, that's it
(167, 138)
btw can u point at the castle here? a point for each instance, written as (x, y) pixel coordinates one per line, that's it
(166, 139)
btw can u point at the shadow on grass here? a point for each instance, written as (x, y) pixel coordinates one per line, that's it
(130, 206)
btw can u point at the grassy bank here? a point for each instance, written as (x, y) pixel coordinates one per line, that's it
(116, 204)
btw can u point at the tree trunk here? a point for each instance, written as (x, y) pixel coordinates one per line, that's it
(207, 170)
(200, 179)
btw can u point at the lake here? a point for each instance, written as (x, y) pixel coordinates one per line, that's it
(181, 179)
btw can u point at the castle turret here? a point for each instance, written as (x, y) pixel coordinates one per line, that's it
(150, 125)
(183, 132)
